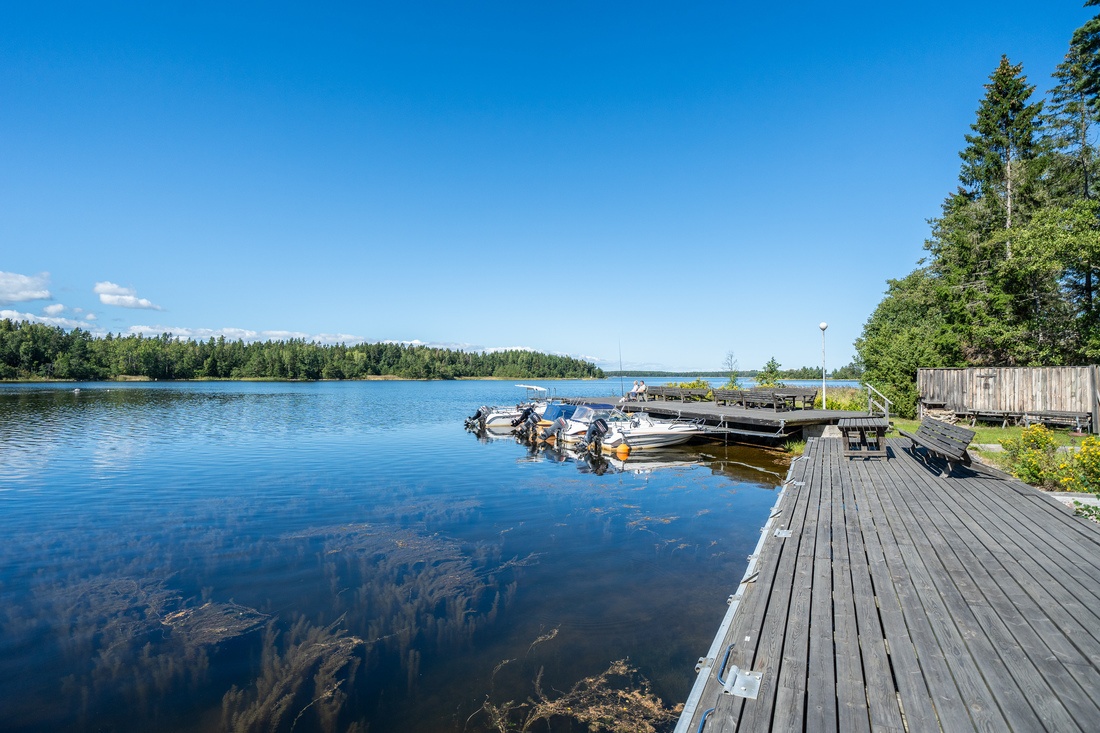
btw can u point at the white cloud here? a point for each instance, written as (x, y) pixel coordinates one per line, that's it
(112, 294)
(456, 346)
(498, 349)
(54, 309)
(582, 357)
(243, 334)
(15, 287)
(90, 317)
(283, 335)
(337, 338)
(195, 334)
(47, 320)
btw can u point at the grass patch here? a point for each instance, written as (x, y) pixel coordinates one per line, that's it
(994, 434)
(795, 447)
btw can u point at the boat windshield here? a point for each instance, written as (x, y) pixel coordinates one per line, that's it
(585, 413)
(556, 410)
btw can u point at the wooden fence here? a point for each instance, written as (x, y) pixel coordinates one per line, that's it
(1012, 390)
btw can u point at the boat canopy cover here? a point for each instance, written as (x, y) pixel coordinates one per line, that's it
(531, 386)
(588, 413)
(554, 411)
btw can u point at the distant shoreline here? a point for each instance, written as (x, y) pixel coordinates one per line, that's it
(371, 378)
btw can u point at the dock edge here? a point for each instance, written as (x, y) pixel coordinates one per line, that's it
(706, 664)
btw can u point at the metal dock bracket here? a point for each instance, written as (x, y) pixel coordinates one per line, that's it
(739, 682)
(742, 683)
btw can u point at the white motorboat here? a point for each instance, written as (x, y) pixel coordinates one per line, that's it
(504, 416)
(573, 429)
(642, 432)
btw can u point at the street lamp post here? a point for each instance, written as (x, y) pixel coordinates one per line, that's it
(823, 325)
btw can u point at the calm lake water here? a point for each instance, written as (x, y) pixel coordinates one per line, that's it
(312, 557)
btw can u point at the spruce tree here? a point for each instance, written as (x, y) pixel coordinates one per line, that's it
(999, 163)
(1086, 42)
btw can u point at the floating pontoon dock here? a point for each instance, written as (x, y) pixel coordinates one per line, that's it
(749, 422)
(883, 597)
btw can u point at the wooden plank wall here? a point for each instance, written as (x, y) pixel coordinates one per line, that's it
(1011, 389)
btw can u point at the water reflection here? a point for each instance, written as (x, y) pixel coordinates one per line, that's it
(277, 557)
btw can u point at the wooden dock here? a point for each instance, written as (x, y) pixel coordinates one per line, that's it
(759, 422)
(884, 598)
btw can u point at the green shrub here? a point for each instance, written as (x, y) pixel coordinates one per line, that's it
(1087, 510)
(769, 375)
(795, 447)
(1081, 471)
(1031, 457)
(844, 398)
(696, 384)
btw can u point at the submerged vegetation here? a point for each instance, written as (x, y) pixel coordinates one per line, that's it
(145, 645)
(618, 700)
(35, 351)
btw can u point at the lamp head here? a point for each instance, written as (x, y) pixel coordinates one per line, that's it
(823, 325)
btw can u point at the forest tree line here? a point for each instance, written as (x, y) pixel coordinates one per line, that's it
(36, 351)
(849, 371)
(1013, 260)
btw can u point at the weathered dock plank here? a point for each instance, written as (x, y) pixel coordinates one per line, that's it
(906, 602)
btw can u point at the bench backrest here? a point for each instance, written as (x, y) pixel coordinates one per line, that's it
(950, 439)
(760, 393)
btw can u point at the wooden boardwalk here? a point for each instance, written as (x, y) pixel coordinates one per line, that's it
(903, 601)
(756, 421)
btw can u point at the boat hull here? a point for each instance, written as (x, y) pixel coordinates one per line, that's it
(647, 440)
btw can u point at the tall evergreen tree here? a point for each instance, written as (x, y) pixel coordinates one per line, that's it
(1086, 42)
(1014, 259)
(999, 163)
(1069, 122)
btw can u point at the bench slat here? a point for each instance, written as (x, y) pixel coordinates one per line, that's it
(942, 439)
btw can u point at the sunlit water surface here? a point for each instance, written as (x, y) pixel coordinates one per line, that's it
(257, 556)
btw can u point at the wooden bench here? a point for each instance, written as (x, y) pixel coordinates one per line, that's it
(947, 441)
(660, 393)
(729, 396)
(795, 395)
(763, 398)
(684, 394)
(992, 416)
(1079, 421)
(687, 394)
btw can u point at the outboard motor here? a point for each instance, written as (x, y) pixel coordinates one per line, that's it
(529, 428)
(527, 412)
(593, 437)
(473, 422)
(524, 425)
(552, 430)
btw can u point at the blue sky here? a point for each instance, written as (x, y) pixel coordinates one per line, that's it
(683, 180)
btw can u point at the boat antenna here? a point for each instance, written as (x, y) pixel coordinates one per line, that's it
(622, 389)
